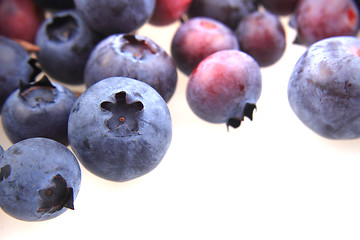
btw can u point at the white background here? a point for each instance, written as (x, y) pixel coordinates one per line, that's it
(272, 178)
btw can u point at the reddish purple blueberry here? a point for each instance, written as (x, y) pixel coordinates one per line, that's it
(225, 87)
(262, 36)
(167, 12)
(197, 38)
(320, 19)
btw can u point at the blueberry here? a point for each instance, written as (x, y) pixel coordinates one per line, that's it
(38, 109)
(14, 62)
(132, 56)
(197, 38)
(39, 179)
(317, 20)
(115, 16)
(65, 43)
(167, 12)
(120, 128)
(324, 88)
(262, 36)
(225, 87)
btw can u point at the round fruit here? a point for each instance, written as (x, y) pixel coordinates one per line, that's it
(132, 56)
(197, 38)
(324, 88)
(120, 128)
(115, 16)
(39, 179)
(38, 109)
(65, 35)
(225, 87)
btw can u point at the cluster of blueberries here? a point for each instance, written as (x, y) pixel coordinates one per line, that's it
(120, 127)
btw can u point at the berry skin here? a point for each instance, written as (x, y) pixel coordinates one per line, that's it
(38, 109)
(197, 38)
(120, 128)
(262, 36)
(39, 179)
(320, 19)
(115, 16)
(167, 12)
(225, 87)
(132, 56)
(324, 88)
(229, 12)
(15, 66)
(280, 7)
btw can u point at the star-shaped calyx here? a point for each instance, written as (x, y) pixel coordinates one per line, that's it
(136, 46)
(124, 114)
(56, 196)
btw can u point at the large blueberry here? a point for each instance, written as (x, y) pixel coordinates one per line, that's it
(65, 42)
(38, 109)
(39, 179)
(324, 88)
(115, 16)
(120, 128)
(132, 56)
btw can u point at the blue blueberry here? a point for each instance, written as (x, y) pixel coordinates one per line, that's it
(39, 179)
(324, 88)
(38, 109)
(115, 16)
(132, 56)
(14, 62)
(120, 128)
(65, 43)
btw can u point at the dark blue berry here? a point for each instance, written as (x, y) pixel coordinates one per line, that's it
(120, 128)
(39, 179)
